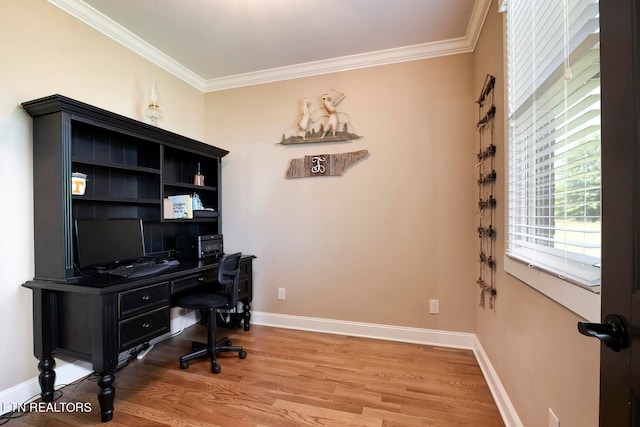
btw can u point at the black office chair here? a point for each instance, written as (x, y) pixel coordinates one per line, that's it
(209, 302)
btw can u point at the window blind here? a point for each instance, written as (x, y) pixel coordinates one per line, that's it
(554, 181)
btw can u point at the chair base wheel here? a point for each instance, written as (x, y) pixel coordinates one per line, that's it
(215, 368)
(242, 354)
(184, 365)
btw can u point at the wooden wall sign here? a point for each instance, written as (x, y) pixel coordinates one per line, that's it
(323, 164)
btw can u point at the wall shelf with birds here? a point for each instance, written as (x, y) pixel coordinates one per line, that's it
(332, 125)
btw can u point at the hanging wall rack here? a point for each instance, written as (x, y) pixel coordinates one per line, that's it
(487, 202)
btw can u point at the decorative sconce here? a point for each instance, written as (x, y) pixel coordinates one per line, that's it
(153, 112)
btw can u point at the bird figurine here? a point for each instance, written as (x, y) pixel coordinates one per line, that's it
(305, 120)
(330, 106)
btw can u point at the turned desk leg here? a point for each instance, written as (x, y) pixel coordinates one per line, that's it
(106, 395)
(247, 316)
(47, 378)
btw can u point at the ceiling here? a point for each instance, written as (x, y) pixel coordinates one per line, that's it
(220, 44)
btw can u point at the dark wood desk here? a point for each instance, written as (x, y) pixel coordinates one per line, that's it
(97, 318)
(132, 168)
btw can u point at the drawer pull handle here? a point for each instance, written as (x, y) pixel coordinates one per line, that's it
(146, 298)
(201, 279)
(146, 325)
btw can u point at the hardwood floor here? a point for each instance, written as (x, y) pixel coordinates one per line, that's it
(291, 378)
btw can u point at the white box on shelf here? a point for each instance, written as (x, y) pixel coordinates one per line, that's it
(182, 208)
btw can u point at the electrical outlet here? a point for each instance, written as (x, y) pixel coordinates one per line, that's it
(554, 421)
(281, 294)
(434, 306)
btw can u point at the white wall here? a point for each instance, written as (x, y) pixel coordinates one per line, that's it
(45, 51)
(375, 244)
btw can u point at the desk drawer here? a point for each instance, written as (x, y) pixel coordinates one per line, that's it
(140, 300)
(194, 281)
(143, 328)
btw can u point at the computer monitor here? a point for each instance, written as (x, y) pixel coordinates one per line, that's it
(102, 242)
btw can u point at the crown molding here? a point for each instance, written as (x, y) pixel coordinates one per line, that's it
(344, 63)
(98, 21)
(476, 22)
(110, 28)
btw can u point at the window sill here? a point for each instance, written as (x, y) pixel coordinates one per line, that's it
(583, 302)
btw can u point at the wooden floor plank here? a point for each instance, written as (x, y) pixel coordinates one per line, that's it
(291, 378)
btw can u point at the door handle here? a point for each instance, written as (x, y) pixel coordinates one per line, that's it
(613, 332)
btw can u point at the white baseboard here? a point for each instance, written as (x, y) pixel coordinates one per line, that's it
(366, 330)
(71, 372)
(403, 334)
(508, 412)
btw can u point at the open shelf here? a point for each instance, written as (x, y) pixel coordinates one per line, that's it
(130, 167)
(191, 187)
(140, 169)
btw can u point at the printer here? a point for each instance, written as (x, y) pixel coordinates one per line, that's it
(197, 247)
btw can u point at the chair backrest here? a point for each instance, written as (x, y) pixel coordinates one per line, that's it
(228, 272)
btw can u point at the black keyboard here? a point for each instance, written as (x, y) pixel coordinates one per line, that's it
(143, 269)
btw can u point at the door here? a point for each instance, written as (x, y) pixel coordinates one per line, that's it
(620, 74)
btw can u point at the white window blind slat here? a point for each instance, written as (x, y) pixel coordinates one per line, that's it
(554, 188)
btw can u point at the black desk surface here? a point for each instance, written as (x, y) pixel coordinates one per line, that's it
(101, 283)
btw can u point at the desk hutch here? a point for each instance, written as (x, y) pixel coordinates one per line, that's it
(131, 168)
